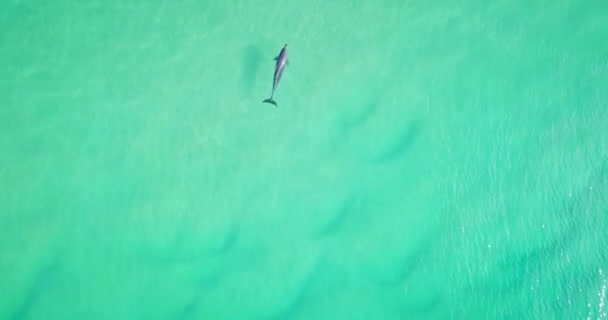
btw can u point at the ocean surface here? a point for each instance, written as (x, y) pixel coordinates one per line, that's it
(426, 160)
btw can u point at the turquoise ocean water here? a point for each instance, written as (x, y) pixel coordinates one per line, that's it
(427, 160)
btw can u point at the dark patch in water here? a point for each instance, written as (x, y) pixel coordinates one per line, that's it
(584, 215)
(41, 284)
(401, 145)
(305, 296)
(360, 115)
(252, 58)
(340, 218)
(229, 241)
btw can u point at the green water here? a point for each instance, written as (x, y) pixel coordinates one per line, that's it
(427, 160)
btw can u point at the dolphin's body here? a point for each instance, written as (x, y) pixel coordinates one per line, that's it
(281, 62)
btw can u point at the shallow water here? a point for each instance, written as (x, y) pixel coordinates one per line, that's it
(425, 161)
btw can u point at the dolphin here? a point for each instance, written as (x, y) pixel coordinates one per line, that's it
(281, 62)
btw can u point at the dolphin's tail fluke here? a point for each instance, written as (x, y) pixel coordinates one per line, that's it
(269, 100)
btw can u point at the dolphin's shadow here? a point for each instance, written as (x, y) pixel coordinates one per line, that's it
(252, 58)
